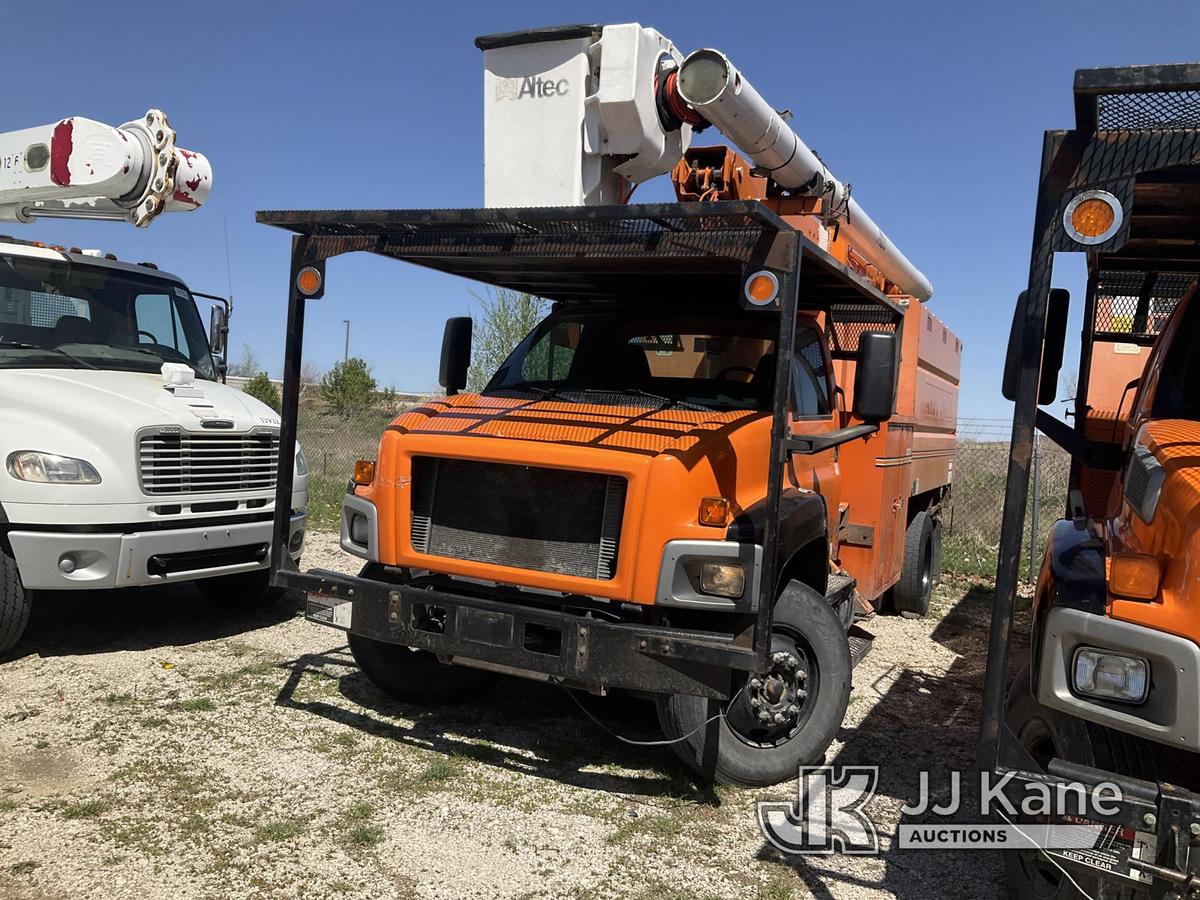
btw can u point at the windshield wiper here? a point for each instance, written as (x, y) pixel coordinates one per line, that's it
(666, 402)
(25, 345)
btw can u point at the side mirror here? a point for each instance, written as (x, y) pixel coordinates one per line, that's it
(1058, 303)
(875, 376)
(456, 354)
(218, 330)
(221, 366)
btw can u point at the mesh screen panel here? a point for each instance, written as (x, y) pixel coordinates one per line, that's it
(1136, 306)
(1161, 110)
(846, 323)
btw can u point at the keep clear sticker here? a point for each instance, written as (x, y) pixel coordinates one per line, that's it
(1113, 848)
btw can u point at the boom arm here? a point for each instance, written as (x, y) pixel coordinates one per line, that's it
(80, 168)
(579, 115)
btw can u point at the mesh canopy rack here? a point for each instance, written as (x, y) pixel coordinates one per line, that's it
(605, 253)
(684, 252)
(1138, 98)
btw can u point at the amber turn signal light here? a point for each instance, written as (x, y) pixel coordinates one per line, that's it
(1134, 576)
(364, 471)
(715, 511)
(308, 280)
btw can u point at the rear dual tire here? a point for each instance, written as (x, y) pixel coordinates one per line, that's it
(921, 568)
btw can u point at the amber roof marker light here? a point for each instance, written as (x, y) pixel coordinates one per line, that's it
(310, 281)
(762, 288)
(1093, 217)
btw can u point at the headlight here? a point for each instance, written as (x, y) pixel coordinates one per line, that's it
(722, 579)
(31, 465)
(1111, 676)
(301, 461)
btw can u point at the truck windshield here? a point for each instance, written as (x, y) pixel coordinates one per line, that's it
(70, 315)
(709, 362)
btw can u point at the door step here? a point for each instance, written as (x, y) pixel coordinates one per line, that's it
(861, 641)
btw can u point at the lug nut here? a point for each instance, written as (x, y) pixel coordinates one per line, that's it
(801, 694)
(755, 684)
(755, 702)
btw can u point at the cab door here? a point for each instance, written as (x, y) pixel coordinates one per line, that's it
(812, 410)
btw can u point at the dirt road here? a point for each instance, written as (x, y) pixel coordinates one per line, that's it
(152, 746)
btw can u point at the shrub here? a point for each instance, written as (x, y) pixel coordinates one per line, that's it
(349, 387)
(260, 387)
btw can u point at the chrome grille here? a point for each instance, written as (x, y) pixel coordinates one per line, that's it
(181, 462)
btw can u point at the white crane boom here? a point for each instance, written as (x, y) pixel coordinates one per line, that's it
(80, 168)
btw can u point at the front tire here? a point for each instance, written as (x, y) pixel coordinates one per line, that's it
(807, 686)
(412, 676)
(14, 603)
(246, 590)
(1046, 734)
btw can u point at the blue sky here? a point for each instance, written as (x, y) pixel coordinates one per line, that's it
(933, 111)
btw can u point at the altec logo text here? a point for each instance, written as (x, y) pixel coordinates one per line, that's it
(537, 86)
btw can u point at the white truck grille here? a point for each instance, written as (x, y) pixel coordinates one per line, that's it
(180, 462)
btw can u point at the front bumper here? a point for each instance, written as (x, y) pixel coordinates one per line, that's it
(113, 560)
(1169, 714)
(518, 635)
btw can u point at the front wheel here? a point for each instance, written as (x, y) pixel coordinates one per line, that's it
(1046, 734)
(246, 590)
(778, 721)
(14, 603)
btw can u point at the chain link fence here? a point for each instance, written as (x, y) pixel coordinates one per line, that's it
(971, 533)
(332, 441)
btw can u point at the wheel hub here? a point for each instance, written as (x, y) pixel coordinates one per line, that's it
(777, 696)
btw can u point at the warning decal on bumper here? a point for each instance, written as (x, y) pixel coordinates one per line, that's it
(328, 611)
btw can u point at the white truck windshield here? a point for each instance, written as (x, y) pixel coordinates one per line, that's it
(71, 315)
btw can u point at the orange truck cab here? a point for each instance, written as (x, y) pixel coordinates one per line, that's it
(1111, 691)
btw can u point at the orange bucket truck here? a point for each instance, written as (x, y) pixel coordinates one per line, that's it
(731, 434)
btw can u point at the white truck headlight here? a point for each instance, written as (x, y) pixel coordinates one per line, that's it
(301, 461)
(722, 579)
(33, 465)
(1111, 676)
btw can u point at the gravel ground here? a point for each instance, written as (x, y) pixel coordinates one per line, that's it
(153, 746)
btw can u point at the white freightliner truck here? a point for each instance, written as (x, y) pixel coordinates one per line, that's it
(124, 458)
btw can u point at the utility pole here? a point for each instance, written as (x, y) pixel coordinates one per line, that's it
(346, 351)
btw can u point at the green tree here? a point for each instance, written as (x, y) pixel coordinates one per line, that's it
(349, 387)
(506, 318)
(261, 387)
